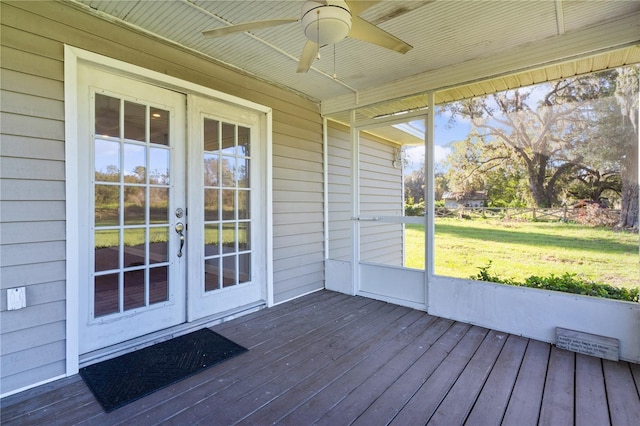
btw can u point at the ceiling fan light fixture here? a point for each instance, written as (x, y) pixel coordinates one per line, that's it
(325, 22)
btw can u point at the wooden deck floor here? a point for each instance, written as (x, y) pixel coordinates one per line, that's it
(331, 359)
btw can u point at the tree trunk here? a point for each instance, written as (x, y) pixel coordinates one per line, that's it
(627, 97)
(630, 191)
(629, 211)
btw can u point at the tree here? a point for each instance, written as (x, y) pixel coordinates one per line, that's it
(550, 133)
(414, 185)
(627, 96)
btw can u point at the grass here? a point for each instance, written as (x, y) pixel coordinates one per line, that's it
(518, 250)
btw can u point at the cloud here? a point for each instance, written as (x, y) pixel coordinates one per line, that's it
(441, 152)
(415, 155)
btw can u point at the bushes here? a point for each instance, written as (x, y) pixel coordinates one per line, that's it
(416, 209)
(568, 283)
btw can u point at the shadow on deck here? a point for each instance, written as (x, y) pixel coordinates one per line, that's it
(333, 359)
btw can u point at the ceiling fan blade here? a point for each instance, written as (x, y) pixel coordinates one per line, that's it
(247, 26)
(309, 53)
(365, 31)
(357, 7)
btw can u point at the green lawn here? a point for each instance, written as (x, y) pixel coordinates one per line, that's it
(521, 249)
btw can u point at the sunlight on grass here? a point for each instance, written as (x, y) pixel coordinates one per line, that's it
(520, 249)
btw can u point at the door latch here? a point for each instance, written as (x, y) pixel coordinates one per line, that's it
(180, 230)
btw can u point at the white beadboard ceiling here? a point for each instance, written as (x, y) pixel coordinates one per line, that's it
(460, 48)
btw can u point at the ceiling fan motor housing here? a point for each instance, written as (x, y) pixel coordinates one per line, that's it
(326, 22)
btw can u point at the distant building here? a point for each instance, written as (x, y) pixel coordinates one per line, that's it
(454, 200)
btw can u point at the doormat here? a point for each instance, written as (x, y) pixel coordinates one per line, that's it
(119, 381)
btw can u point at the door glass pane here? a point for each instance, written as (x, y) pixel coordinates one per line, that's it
(228, 171)
(242, 172)
(228, 204)
(159, 166)
(228, 139)
(158, 284)
(134, 211)
(158, 245)
(244, 207)
(212, 274)
(211, 240)
(107, 249)
(244, 268)
(244, 141)
(135, 121)
(244, 236)
(211, 209)
(134, 247)
(228, 237)
(229, 271)
(159, 125)
(135, 164)
(211, 170)
(107, 161)
(211, 140)
(131, 206)
(133, 289)
(158, 205)
(106, 299)
(107, 118)
(107, 205)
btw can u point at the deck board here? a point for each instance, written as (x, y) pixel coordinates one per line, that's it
(424, 402)
(456, 406)
(494, 397)
(232, 380)
(282, 376)
(590, 387)
(558, 399)
(328, 385)
(350, 407)
(524, 405)
(622, 394)
(333, 359)
(392, 399)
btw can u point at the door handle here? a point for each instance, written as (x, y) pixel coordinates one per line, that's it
(180, 230)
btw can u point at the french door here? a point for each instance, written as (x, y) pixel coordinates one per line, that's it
(227, 226)
(169, 224)
(134, 189)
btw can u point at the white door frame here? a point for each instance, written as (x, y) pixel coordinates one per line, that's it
(72, 56)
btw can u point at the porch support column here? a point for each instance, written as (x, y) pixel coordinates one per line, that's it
(355, 202)
(429, 196)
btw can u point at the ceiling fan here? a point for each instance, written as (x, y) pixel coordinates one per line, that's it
(325, 22)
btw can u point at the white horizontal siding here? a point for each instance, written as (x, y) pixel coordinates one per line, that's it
(32, 210)
(28, 84)
(22, 340)
(339, 194)
(31, 190)
(380, 195)
(31, 232)
(20, 254)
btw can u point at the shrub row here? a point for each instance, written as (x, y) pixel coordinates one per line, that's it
(568, 283)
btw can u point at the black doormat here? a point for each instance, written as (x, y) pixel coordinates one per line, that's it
(119, 381)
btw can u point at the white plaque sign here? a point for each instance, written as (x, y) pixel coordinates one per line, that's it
(588, 344)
